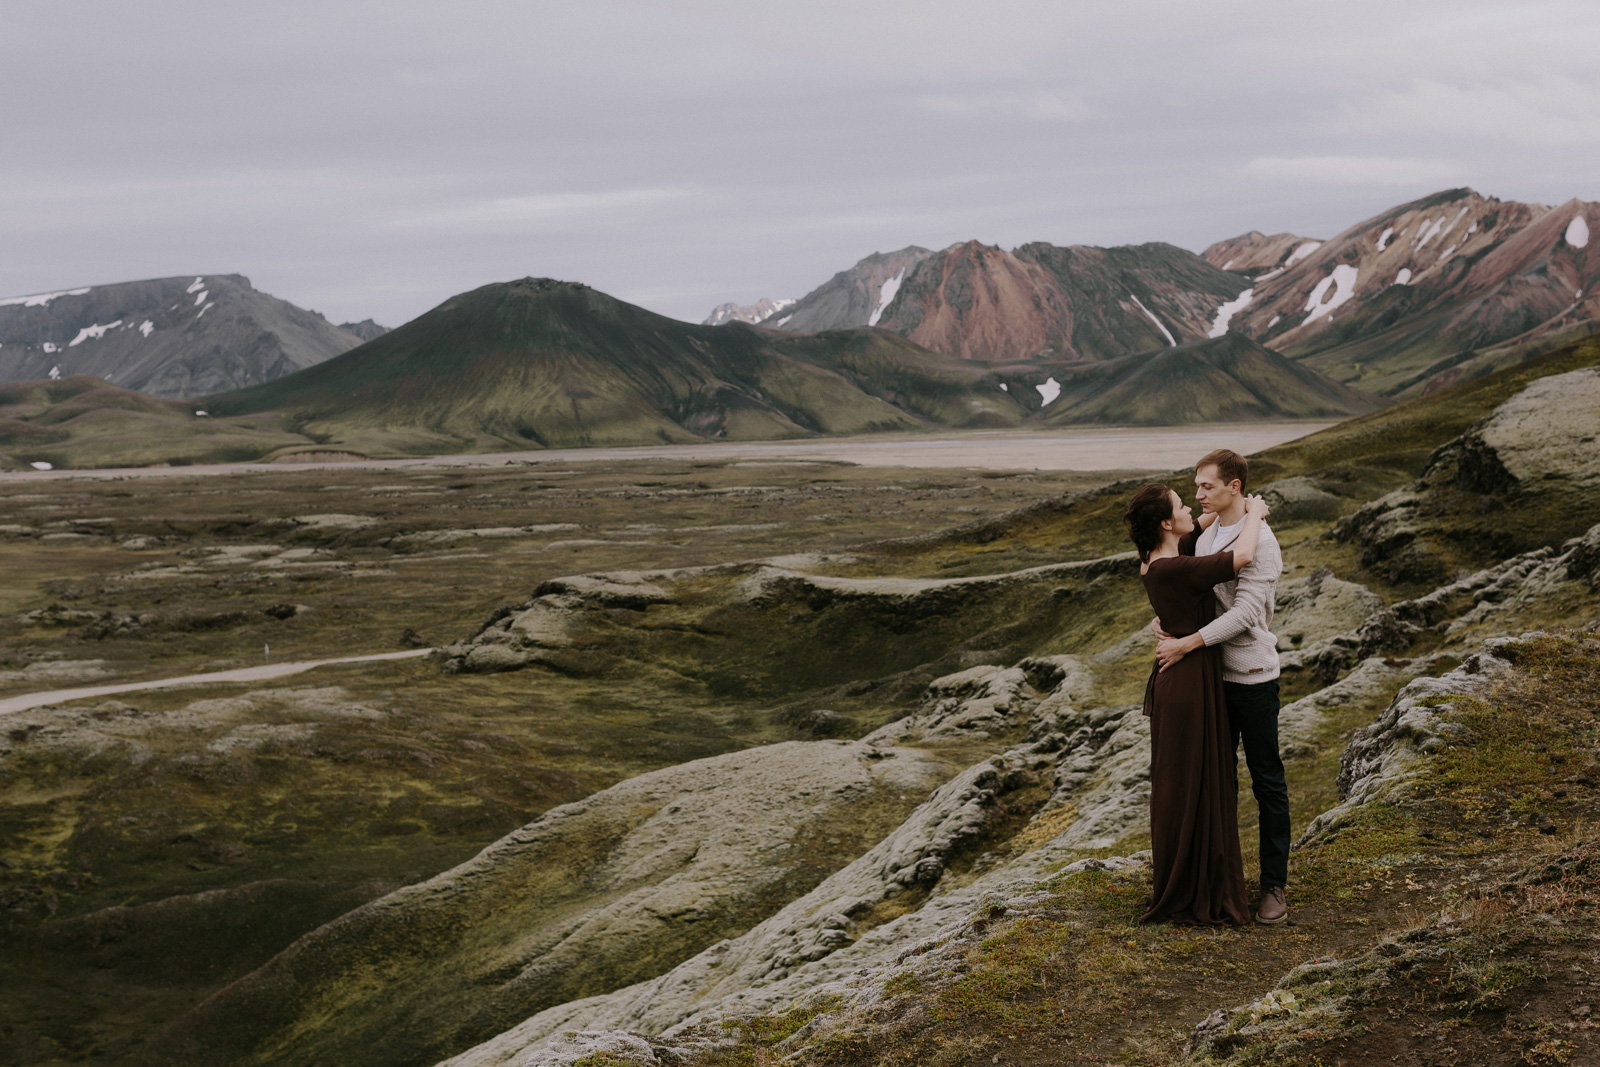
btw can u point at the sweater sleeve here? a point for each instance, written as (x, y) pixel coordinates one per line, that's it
(1258, 580)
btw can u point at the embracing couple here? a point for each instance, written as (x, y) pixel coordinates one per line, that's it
(1214, 684)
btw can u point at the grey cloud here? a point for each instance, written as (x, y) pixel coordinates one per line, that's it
(372, 159)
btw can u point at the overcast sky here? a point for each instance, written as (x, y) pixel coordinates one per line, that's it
(370, 160)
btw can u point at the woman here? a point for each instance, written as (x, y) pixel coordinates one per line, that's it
(1194, 828)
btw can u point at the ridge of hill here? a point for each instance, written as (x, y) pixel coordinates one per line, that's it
(1042, 301)
(853, 297)
(1257, 253)
(1432, 291)
(169, 337)
(546, 363)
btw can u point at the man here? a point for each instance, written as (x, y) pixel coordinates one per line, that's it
(1250, 662)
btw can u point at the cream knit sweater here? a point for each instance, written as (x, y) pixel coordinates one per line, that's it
(1244, 629)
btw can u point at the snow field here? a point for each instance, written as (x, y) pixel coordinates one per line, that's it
(1577, 234)
(39, 300)
(1343, 283)
(93, 333)
(1226, 312)
(886, 296)
(1164, 331)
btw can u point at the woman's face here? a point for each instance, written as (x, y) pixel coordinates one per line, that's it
(1182, 518)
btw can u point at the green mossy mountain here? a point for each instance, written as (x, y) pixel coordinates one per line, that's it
(542, 363)
(1225, 379)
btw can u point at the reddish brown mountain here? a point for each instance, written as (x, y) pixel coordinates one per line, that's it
(1050, 302)
(1427, 293)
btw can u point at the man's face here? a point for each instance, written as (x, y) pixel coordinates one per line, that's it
(1213, 494)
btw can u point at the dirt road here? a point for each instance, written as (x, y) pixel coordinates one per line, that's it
(265, 672)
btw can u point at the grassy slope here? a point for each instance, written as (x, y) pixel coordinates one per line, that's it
(1228, 379)
(85, 422)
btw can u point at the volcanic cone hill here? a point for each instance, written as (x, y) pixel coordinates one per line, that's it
(169, 337)
(1224, 379)
(1045, 301)
(85, 422)
(547, 363)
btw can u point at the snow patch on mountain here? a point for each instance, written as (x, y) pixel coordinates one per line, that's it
(1164, 332)
(1049, 389)
(1227, 311)
(886, 295)
(196, 285)
(39, 300)
(1577, 234)
(147, 327)
(1301, 253)
(1383, 238)
(1343, 282)
(92, 333)
(1429, 231)
(1404, 277)
(201, 299)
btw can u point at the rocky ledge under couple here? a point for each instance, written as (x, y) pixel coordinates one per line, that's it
(1213, 686)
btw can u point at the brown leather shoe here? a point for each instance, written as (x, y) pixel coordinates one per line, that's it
(1274, 909)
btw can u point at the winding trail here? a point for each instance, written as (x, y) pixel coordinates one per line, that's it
(262, 673)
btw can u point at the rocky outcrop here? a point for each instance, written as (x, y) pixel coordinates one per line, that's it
(1547, 431)
(518, 635)
(588, 897)
(1520, 475)
(1381, 759)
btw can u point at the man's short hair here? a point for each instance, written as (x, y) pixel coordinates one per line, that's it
(1230, 466)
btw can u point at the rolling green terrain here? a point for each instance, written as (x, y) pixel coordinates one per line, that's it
(746, 604)
(1225, 379)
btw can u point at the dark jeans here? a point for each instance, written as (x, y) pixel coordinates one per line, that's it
(1253, 717)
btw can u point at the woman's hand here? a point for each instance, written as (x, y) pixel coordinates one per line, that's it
(1254, 505)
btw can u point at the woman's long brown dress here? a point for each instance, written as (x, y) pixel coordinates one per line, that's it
(1194, 826)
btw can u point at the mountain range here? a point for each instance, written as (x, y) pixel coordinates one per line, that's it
(1441, 289)
(1427, 293)
(169, 337)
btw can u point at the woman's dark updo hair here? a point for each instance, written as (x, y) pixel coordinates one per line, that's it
(1150, 507)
